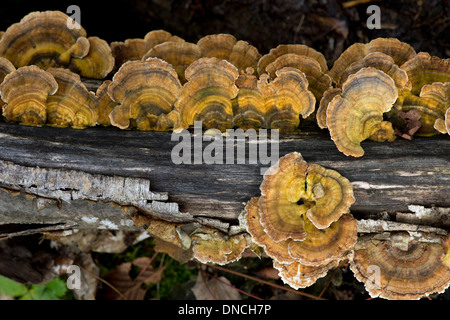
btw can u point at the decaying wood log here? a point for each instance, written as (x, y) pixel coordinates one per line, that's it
(84, 178)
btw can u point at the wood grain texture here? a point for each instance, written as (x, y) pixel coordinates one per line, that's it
(388, 178)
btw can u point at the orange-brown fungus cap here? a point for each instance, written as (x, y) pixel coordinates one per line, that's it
(98, 63)
(248, 107)
(297, 49)
(212, 246)
(331, 193)
(155, 37)
(208, 94)
(399, 51)
(104, 104)
(72, 104)
(43, 39)
(292, 190)
(129, 50)
(298, 275)
(286, 98)
(276, 250)
(356, 114)
(145, 92)
(322, 246)
(25, 93)
(318, 80)
(6, 67)
(179, 54)
(321, 114)
(396, 272)
(224, 46)
(445, 258)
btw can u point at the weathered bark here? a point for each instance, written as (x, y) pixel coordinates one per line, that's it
(78, 178)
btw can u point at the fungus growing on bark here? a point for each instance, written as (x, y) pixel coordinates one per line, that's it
(292, 190)
(426, 95)
(25, 93)
(128, 50)
(155, 37)
(297, 49)
(298, 275)
(208, 94)
(179, 54)
(104, 104)
(286, 98)
(248, 107)
(72, 104)
(357, 113)
(43, 39)
(318, 80)
(145, 93)
(212, 246)
(225, 46)
(399, 267)
(98, 63)
(6, 67)
(399, 51)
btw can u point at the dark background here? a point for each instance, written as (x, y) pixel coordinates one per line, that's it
(328, 26)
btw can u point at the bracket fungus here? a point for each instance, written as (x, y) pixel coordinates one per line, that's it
(25, 93)
(43, 39)
(128, 50)
(292, 189)
(208, 93)
(399, 51)
(225, 46)
(248, 107)
(155, 37)
(104, 104)
(280, 222)
(98, 63)
(357, 113)
(286, 98)
(179, 54)
(72, 104)
(398, 266)
(145, 93)
(6, 67)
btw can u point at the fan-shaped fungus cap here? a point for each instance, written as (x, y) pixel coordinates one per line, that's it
(276, 250)
(72, 104)
(98, 62)
(6, 67)
(207, 95)
(292, 190)
(104, 104)
(298, 275)
(446, 257)
(129, 50)
(248, 107)
(224, 46)
(318, 80)
(155, 37)
(286, 98)
(399, 51)
(393, 271)
(322, 246)
(43, 39)
(145, 91)
(356, 114)
(212, 246)
(321, 114)
(179, 54)
(25, 93)
(297, 49)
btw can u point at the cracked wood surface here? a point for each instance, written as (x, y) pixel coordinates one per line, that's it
(388, 178)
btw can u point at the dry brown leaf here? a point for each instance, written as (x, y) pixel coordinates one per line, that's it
(131, 289)
(214, 289)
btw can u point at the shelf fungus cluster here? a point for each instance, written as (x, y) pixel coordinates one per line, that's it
(302, 219)
(398, 261)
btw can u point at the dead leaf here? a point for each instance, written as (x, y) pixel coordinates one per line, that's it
(127, 288)
(214, 289)
(412, 123)
(269, 273)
